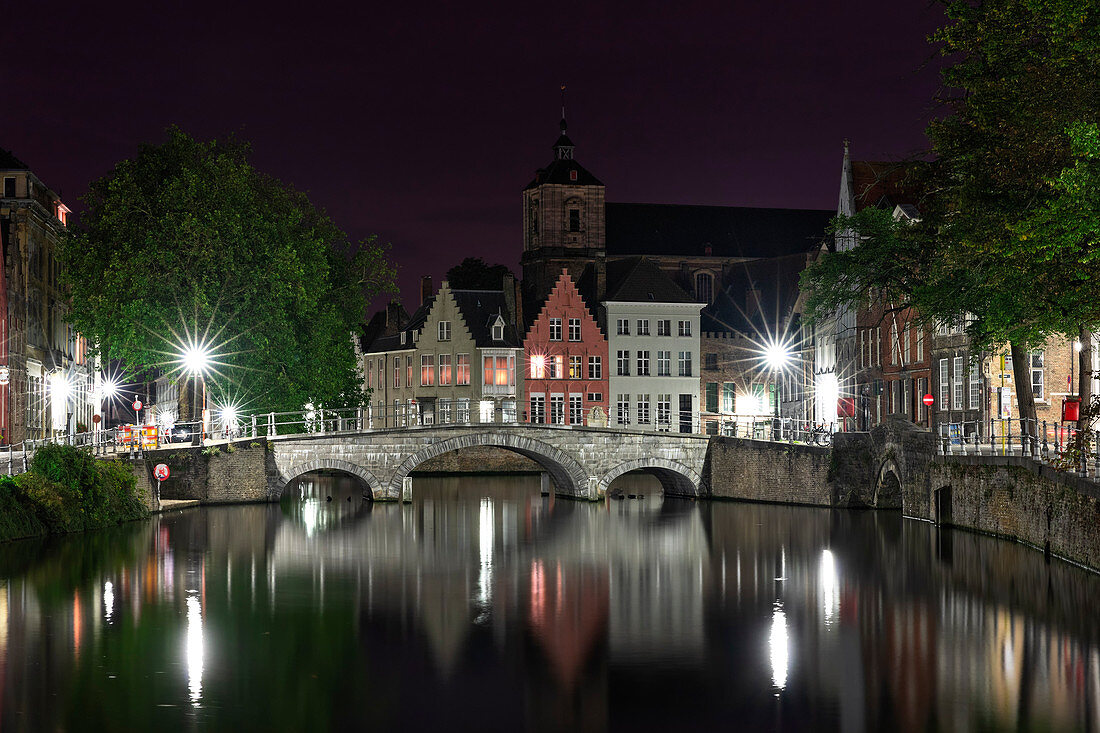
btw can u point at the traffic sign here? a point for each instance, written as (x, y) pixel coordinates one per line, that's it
(96, 419)
(137, 404)
(161, 472)
(5, 375)
(928, 400)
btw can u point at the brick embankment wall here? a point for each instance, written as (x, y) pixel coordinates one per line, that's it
(479, 460)
(754, 470)
(225, 477)
(1021, 500)
(143, 474)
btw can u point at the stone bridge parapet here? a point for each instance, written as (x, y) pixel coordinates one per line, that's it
(581, 462)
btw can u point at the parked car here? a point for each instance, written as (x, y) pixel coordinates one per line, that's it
(181, 432)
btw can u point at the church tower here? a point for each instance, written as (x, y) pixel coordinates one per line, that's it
(563, 228)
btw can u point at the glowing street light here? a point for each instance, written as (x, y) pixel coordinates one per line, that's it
(196, 359)
(778, 357)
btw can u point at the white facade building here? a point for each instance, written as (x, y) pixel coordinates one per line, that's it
(653, 353)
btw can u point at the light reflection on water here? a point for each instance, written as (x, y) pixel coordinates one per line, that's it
(483, 605)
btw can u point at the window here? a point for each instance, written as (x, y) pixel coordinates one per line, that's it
(664, 363)
(685, 328)
(574, 216)
(557, 409)
(664, 412)
(370, 378)
(710, 361)
(509, 410)
(895, 346)
(595, 396)
(643, 326)
(444, 370)
(555, 329)
(574, 329)
(443, 410)
(9, 193)
(398, 413)
(643, 363)
(624, 363)
(878, 345)
(397, 371)
(624, 327)
(710, 397)
(427, 370)
(498, 331)
(920, 344)
(381, 372)
(957, 384)
(685, 363)
(497, 371)
(704, 287)
(538, 366)
(907, 349)
(664, 328)
(1037, 374)
(623, 411)
(595, 367)
(462, 371)
(643, 409)
(408, 371)
(463, 410)
(538, 409)
(556, 367)
(487, 411)
(444, 330)
(975, 386)
(576, 367)
(729, 396)
(944, 384)
(534, 219)
(576, 409)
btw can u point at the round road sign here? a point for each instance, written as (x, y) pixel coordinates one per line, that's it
(928, 400)
(161, 472)
(137, 404)
(97, 419)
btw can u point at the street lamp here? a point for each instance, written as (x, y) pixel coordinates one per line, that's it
(196, 359)
(777, 356)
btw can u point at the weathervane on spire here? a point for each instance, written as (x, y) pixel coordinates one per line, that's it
(563, 125)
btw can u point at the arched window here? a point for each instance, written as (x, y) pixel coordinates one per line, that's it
(704, 287)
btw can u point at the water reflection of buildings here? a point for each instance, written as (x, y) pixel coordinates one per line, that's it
(839, 620)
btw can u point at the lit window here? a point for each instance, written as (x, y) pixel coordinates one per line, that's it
(462, 371)
(444, 370)
(576, 368)
(488, 411)
(538, 366)
(427, 370)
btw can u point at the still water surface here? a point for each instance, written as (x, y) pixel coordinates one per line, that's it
(485, 606)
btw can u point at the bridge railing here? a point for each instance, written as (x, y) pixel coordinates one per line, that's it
(1055, 444)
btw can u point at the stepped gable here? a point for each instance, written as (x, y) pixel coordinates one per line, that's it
(564, 290)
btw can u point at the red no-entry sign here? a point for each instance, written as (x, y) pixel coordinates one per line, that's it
(137, 404)
(928, 400)
(161, 472)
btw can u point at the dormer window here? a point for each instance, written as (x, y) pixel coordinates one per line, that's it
(498, 330)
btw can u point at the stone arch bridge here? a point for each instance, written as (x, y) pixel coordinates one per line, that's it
(580, 462)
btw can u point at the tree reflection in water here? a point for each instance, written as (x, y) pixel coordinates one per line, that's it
(486, 605)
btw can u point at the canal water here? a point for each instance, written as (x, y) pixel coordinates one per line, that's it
(484, 606)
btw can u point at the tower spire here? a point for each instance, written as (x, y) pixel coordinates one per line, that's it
(563, 123)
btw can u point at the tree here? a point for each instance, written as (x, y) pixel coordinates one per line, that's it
(1022, 73)
(187, 244)
(473, 273)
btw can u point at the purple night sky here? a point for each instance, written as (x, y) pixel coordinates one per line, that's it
(423, 123)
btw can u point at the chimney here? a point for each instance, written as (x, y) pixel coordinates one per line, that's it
(425, 288)
(509, 288)
(393, 316)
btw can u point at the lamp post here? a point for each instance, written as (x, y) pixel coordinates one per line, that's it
(196, 360)
(777, 356)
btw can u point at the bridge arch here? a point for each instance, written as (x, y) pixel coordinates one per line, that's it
(888, 486)
(569, 477)
(676, 478)
(377, 491)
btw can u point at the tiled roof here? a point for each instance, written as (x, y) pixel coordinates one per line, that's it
(9, 162)
(883, 185)
(558, 172)
(757, 298)
(480, 309)
(729, 231)
(637, 279)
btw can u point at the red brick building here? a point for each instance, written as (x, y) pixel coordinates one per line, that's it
(565, 354)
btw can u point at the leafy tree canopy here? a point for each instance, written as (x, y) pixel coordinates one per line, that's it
(473, 273)
(187, 244)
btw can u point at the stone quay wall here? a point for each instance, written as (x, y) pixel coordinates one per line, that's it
(757, 470)
(237, 472)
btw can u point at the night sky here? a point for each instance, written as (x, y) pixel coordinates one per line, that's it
(422, 123)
